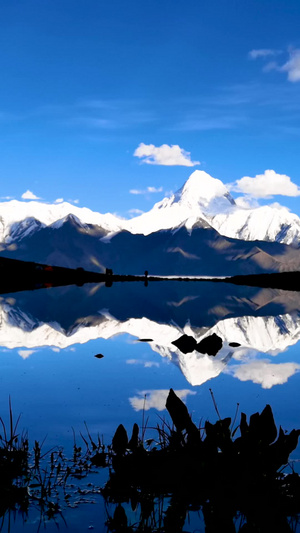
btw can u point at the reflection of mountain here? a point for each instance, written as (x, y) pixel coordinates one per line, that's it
(64, 317)
(202, 304)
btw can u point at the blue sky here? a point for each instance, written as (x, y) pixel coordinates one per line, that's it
(86, 84)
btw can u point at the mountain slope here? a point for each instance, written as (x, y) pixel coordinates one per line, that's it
(202, 251)
(202, 199)
(205, 197)
(13, 215)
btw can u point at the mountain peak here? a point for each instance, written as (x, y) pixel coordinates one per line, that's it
(202, 189)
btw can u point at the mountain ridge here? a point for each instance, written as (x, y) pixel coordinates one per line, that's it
(200, 197)
(180, 235)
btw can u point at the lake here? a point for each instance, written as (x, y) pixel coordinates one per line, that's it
(105, 355)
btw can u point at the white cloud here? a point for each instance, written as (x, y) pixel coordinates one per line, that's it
(73, 201)
(164, 155)
(154, 189)
(272, 65)
(135, 212)
(58, 200)
(246, 202)
(263, 52)
(266, 185)
(292, 66)
(150, 190)
(264, 373)
(28, 195)
(26, 353)
(277, 205)
(7, 197)
(155, 399)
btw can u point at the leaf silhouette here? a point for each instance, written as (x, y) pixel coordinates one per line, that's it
(178, 411)
(120, 440)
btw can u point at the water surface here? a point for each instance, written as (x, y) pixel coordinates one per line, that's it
(49, 339)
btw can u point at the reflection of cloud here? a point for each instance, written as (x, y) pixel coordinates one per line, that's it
(155, 399)
(26, 353)
(146, 364)
(264, 373)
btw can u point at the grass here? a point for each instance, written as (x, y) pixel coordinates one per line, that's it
(234, 476)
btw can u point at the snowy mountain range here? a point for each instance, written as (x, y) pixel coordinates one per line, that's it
(200, 230)
(202, 198)
(205, 198)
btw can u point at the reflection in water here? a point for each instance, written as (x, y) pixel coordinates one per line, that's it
(148, 399)
(248, 323)
(224, 476)
(264, 372)
(253, 323)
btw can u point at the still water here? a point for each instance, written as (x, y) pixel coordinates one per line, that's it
(49, 339)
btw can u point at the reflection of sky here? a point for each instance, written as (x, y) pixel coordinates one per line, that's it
(264, 372)
(55, 390)
(156, 399)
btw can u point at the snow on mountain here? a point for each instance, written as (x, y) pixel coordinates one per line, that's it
(203, 200)
(199, 198)
(25, 228)
(14, 212)
(206, 198)
(265, 223)
(71, 218)
(268, 335)
(204, 191)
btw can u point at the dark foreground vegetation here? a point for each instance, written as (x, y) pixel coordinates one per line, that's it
(285, 280)
(231, 474)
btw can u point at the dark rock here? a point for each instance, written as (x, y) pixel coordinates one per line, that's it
(185, 344)
(210, 345)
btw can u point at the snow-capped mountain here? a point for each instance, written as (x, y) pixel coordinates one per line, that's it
(24, 228)
(201, 197)
(263, 223)
(202, 200)
(204, 197)
(20, 218)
